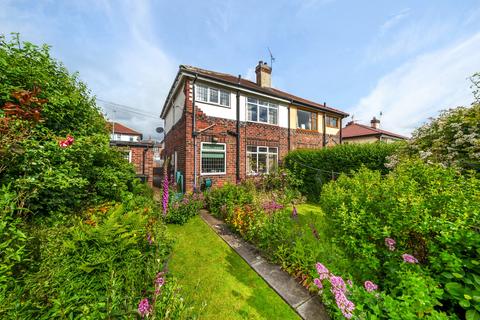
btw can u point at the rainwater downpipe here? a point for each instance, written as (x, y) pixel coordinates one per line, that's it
(289, 125)
(194, 135)
(324, 126)
(237, 158)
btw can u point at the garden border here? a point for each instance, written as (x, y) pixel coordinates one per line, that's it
(306, 305)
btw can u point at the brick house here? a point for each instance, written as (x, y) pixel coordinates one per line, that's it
(224, 128)
(359, 133)
(137, 151)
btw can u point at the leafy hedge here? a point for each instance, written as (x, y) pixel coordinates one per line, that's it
(430, 212)
(319, 166)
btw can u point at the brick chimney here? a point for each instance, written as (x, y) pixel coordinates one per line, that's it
(375, 123)
(264, 74)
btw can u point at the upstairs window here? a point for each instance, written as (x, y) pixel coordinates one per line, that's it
(306, 120)
(331, 122)
(262, 111)
(261, 159)
(213, 157)
(212, 95)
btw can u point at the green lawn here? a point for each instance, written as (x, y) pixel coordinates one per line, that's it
(218, 282)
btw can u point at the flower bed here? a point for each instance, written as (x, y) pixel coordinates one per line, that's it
(407, 242)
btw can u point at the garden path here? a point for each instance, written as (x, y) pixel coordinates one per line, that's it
(307, 306)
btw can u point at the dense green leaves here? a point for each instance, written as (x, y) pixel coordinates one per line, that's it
(70, 107)
(318, 166)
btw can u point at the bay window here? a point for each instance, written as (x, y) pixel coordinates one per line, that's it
(261, 159)
(262, 111)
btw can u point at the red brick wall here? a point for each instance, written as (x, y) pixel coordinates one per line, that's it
(142, 167)
(179, 138)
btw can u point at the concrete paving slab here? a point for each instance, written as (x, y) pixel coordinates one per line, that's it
(307, 306)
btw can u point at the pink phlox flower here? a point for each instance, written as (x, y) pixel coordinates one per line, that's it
(321, 269)
(409, 258)
(390, 243)
(338, 284)
(370, 286)
(294, 212)
(346, 306)
(144, 307)
(318, 283)
(349, 282)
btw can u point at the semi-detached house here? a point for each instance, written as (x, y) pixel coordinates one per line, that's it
(219, 127)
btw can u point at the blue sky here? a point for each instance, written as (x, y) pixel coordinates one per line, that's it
(406, 59)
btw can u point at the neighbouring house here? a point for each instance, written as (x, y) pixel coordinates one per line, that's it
(359, 133)
(219, 127)
(141, 153)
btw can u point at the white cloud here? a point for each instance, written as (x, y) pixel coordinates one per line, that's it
(423, 86)
(122, 62)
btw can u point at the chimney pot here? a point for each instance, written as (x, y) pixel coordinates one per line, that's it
(264, 74)
(375, 123)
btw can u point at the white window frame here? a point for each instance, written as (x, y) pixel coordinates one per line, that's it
(129, 155)
(224, 159)
(268, 106)
(219, 94)
(261, 152)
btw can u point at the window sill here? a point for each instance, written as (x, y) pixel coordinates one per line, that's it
(213, 174)
(266, 123)
(213, 104)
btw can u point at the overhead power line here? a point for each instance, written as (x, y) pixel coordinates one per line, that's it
(120, 107)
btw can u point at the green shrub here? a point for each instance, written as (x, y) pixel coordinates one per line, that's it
(432, 213)
(181, 210)
(315, 167)
(222, 201)
(99, 266)
(13, 240)
(452, 139)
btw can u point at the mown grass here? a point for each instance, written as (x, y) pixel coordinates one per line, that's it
(218, 282)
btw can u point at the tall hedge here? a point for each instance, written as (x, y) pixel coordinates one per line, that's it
(318, 166)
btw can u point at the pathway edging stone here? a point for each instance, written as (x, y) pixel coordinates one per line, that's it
(303, 302)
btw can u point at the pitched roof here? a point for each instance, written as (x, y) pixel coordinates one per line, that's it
(359, 130)
(120, 128)
(247, 84)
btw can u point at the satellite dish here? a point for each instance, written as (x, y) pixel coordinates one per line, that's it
(159, 129)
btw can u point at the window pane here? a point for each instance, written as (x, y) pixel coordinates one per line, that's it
(272, 150)
(263, 114)
(213, 162)
(251, 149)
(252, 112)
(272, 163)
(262, 163)
(304, 119)
(272, 117)
(262, 149)
(251, 163)
(213, 95)
(213, 146)
(332, 122)
(224, 98)
(201, 93)
(251, 100)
